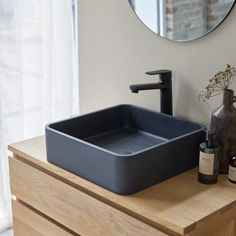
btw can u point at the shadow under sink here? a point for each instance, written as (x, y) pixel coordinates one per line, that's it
(124, 148)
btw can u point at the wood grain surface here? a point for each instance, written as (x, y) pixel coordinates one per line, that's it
(29, 223)
(70, 207)
(179, 205)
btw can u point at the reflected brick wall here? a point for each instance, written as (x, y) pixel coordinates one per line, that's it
(193, 17)
(185, 18)
(216, 11)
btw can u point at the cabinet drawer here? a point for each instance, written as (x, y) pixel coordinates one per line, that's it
(69, 206)
(27, 222)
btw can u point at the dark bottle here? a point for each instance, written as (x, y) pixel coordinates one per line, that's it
(223, 124)
(232, 170)
(208, 161)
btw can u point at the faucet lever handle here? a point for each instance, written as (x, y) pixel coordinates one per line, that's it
(159, 72)
(165, 75)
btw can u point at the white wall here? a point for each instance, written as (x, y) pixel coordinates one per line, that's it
(115, 49)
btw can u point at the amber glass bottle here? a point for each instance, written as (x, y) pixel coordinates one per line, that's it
(232, 170)
(208, 161)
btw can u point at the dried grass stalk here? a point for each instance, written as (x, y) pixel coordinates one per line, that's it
(221, 81)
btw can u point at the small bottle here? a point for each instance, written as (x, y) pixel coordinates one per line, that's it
(208, 161)
(232, 170)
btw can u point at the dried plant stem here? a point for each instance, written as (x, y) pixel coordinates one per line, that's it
(221, 81)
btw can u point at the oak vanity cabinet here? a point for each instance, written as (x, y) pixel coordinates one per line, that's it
(51, 201)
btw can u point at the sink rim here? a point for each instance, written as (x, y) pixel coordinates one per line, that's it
(115, 154)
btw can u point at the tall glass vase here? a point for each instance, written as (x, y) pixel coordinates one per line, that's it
(223, 124)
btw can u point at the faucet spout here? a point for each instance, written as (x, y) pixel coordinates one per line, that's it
(135, 88)
(165, 86)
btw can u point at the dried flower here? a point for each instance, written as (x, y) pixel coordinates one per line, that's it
(221, 81)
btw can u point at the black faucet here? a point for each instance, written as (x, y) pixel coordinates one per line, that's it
(164, 85)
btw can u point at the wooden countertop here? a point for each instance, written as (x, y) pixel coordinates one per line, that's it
(178, 205)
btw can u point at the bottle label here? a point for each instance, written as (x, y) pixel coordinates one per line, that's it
(232, 173)
(206, 163)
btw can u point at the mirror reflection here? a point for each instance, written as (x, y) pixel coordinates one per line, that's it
(181, 20)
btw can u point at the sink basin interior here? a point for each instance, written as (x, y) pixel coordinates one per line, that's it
(125, 140)
(125, 129)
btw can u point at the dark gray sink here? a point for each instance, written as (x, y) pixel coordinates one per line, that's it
(124, 148)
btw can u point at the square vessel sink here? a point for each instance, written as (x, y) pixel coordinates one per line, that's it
(124, 148)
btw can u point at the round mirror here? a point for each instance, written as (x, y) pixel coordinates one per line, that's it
(182, 20)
